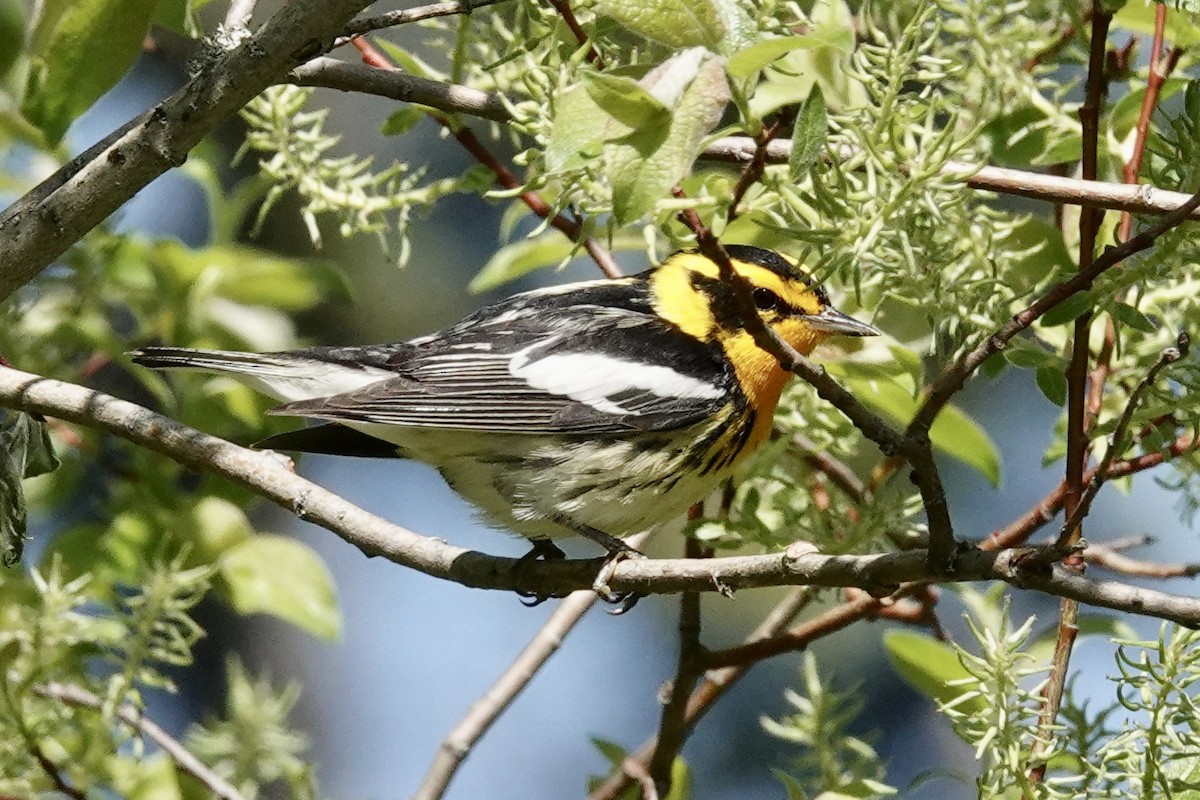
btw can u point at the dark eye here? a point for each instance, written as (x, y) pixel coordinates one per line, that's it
(766, 300)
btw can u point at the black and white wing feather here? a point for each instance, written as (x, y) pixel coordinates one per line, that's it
(537, 366)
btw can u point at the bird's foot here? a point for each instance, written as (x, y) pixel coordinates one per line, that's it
(542, 550)
(626, 600)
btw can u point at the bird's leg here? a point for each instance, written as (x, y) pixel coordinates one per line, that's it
(542, 550)
(618, 551)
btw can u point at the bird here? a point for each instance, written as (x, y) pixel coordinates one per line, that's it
(599, 408)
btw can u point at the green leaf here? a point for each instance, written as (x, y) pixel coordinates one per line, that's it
(403, 120)
(953, 432)
(750, 60)
(1128, 315)
(1068, 310)
(675, 23)
(808, 138)
(279, 576)
(548, 250)
(219, 526)
(625, 100)
(577, 135)
(1034, 135)
(410, 63)
(1053, 383)
(25, 452)
(929, 666)
(12, 33)
(794, 790)
(80, 50)
(643, 165)
(1182, 28)
(1126, 111)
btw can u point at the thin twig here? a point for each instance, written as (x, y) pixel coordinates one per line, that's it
(53, 771)
(838, 472)
(1078, 443)
(78, 696)
(483, 714)
(1141, 199)
(1117, 441)
(1110, 558)
(396, 85)
(1065, 36)
(573, 229)
(672, 726)
(752, 173)
(716, 683)
(408, 15)
(563, 7)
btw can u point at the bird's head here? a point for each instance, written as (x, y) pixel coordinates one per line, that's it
(688, 291)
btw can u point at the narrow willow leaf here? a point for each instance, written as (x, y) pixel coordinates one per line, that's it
(808, 139)
(549, 250)
(750, 60)
(1128, 315)
(1068, 310)
(402, 120)
(12, 33)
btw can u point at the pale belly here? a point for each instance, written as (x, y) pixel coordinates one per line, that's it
(540, 488)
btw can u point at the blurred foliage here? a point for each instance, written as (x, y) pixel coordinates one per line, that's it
(882, 103)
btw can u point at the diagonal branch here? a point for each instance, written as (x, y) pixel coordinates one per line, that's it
(40, 226)
(78, 696)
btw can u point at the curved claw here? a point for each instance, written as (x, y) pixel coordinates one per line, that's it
(542, 550)
(532, 599)
(622, 602)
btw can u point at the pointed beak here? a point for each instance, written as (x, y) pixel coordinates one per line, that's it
(834, 322)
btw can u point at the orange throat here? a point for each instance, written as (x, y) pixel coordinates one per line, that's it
(762, 379)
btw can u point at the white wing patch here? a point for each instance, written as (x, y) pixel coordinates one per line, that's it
(595, 379)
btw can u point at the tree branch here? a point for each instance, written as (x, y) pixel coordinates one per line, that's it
(270, 476)
(333, 73)
(458, 742)
(183, 758)
(1137, 199)
(40, 226)
(408, 15)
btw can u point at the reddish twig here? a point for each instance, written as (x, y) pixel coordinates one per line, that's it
(752, 173)
(673, 726)
(1065, 36)
(1095, 90)
(714, 686)
(503, 175)
(563, 7)
(1110, 558)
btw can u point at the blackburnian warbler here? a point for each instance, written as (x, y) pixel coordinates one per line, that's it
(599, 408)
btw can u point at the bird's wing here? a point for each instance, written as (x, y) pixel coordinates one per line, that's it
(602, 373)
